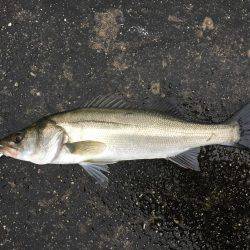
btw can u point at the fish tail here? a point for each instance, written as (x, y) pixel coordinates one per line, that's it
(243, 119)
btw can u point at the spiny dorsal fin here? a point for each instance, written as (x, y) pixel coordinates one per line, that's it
(86, 148)
(187, 159)
(117, 102)
(96, 172)
(108, 101)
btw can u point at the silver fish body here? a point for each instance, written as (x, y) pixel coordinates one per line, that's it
(96, 136)
(131, 135)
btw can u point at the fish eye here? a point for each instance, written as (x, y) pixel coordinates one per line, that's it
(17, 138)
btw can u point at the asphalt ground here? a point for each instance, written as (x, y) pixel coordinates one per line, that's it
(56, 55)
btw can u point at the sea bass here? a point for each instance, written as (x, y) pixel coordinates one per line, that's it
(106, 131)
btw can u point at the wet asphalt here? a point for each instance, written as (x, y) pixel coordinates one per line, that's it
(56, 55)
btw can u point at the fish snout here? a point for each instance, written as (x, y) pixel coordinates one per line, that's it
(8, 150)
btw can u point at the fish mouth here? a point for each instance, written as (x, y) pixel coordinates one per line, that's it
(8, 151)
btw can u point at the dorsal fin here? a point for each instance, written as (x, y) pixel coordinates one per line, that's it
(108, 101)
(168, 106)
(114, 101)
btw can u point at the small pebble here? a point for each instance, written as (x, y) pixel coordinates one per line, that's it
(207, 24)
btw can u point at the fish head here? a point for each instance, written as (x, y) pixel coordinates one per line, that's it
(40, 143)
(19, 145)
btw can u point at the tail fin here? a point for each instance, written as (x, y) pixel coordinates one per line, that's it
(243, 119)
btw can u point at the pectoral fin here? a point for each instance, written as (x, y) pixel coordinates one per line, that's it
(187, 159)
(86, 148)
(96, 171)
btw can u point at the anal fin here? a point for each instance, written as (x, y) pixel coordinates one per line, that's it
(187, 159)
(96, 171)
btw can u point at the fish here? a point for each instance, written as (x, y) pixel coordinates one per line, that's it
(107, 130)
